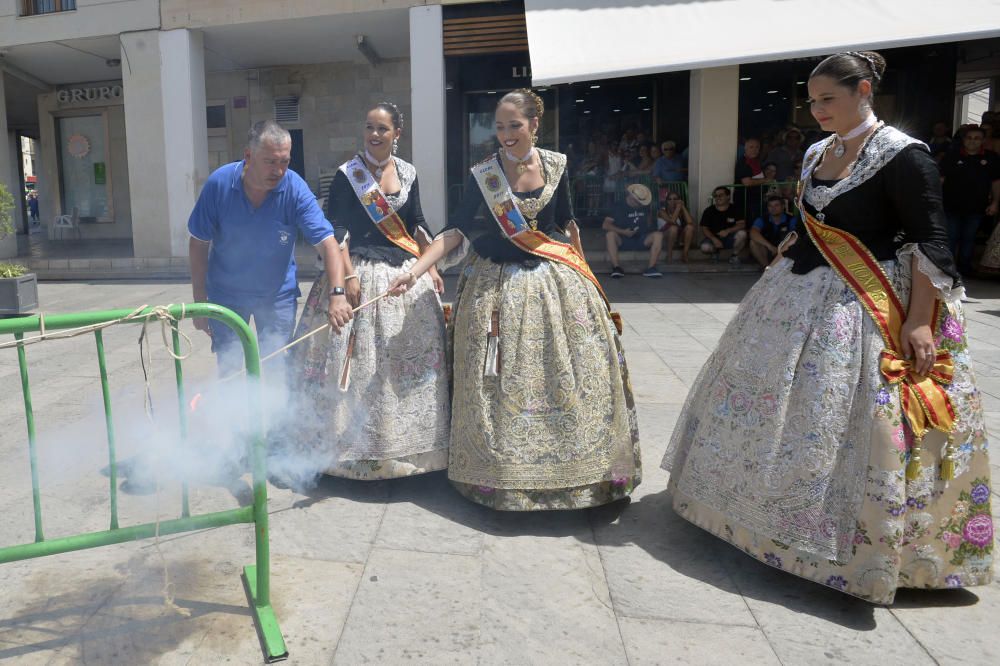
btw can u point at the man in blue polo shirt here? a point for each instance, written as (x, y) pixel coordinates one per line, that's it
(243, 232)
(769, 230)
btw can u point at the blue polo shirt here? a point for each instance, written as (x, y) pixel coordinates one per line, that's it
(252, 259)
(772, 231)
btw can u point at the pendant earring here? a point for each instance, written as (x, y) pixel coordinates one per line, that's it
(534, 138)
(395, 146)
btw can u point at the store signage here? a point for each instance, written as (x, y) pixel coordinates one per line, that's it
(520, 72)
(96, 94)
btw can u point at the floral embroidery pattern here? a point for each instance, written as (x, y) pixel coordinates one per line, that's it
(773, 484)
(968, 531)
(838, 582)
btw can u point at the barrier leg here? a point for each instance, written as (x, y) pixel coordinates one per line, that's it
(29, 415)
(257, 577)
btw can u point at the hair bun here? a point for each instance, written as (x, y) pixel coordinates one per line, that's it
(539, 104)
(527, 100)
(875, 61)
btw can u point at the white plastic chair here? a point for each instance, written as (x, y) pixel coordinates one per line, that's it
(64, 222)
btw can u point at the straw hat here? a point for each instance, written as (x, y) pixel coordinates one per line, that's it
(641, 193)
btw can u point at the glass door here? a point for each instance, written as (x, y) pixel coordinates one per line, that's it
(84, 169)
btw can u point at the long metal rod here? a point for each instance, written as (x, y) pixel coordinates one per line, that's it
(132, 533)
(29, 415)
(109, 423)
(182, 415)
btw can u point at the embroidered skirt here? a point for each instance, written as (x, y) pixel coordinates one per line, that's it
(393, 418)
(990, 261)
(555, 427)
(792, 448)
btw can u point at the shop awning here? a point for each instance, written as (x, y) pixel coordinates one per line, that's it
(580, 40)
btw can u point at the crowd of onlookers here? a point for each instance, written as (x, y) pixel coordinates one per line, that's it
(631, 184)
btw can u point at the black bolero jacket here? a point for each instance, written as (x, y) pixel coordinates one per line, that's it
(348, 216)
(901, 203)
(476, 223)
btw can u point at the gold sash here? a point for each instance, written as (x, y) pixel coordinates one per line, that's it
(502, 204)
(923, 398)
(374, 202)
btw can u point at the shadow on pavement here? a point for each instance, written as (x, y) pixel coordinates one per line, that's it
(111, 619)
(434, 493)
(651, 524)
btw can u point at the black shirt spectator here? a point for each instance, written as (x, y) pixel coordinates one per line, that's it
(716, 220)
(968, 180)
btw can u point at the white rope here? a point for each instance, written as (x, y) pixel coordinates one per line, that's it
(161, 312)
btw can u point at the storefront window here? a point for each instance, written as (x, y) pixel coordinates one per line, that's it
(83, 168)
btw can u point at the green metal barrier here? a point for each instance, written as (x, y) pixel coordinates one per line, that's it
(752, 199)
(257, 576)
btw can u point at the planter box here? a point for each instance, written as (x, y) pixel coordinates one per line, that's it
(18, 295)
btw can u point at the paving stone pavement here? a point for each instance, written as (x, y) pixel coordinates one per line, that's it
(408, 571)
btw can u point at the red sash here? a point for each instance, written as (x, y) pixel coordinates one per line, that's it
(923, 398)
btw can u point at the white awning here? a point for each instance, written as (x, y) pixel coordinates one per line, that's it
(580, 40)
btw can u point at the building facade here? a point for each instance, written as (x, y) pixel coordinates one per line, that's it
(132, 103)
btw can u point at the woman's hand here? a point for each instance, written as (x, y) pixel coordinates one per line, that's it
(437, 280)
(401, 284)
(918, 346)
(353, 291)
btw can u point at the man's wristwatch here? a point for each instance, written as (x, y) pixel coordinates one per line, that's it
(337, 291)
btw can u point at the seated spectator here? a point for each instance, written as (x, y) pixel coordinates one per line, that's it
(593, 162)
(723, 226)
(670, 167)
(768, 231)
(989, 143)
(971, 190)
(614, 171)
(750, 173)
(628, 140)
(631, 160)
(785, 190)
(644, 167)
(673, 219)
(784, 155)
(940, 141)
(629, 226)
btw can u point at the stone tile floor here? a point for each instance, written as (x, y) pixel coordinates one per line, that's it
(407, 570)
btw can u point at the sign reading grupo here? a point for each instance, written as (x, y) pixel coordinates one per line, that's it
(95, 94)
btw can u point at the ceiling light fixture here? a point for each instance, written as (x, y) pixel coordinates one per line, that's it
(367, 51)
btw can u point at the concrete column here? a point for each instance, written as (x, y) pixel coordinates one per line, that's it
(427, 125)
(8, 176)
(715, 96)
(163, 74)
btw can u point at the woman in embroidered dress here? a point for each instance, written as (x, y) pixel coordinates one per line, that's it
(376, 395)
(542, 413)
(792, 445)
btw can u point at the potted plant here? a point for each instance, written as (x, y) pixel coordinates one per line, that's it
(18, 287)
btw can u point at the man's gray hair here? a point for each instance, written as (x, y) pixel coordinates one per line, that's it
(267, 130)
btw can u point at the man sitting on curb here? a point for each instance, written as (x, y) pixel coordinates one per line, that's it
(723, 226)
(629, 227)
(768, 231)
